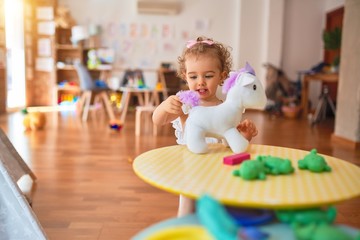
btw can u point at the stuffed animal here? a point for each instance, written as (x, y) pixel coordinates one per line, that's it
(244, 90)
(34, 121)
(63, 18)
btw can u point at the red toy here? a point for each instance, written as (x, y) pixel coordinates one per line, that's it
(236, 158)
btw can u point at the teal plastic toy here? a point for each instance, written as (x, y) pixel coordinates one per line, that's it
(216, 220)
(251, 170)
(276, 165)
(314, 162)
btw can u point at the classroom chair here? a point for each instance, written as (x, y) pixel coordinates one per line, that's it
(145, 111)
(88, 89)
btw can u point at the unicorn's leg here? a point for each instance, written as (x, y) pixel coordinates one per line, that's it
(224, 142)
(235, 140)
(195, 139)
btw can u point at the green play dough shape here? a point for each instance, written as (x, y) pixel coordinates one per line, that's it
(314, 163)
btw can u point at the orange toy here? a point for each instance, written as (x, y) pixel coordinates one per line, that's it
(34, 121)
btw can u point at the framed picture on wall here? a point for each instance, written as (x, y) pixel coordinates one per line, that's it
(46, 28)
(45, 13)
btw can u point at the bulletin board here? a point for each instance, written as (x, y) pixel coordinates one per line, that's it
(144, 44)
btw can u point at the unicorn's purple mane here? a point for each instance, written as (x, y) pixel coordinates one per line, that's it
(230, 82)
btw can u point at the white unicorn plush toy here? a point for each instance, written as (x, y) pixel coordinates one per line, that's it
(244, 90)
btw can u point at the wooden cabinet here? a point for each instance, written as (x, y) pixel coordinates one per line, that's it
(51, 77)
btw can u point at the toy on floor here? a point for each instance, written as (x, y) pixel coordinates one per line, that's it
(314, 163)
(34, 120)
(251, 170)
(115, 125)
(276, 165)
(244, 90)
(236, 158)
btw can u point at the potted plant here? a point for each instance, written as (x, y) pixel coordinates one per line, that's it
(332, 42)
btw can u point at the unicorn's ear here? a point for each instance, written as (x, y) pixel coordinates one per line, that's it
(246, 79)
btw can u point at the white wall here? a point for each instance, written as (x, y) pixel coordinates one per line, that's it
(274, 32)
(284, 33)
(347, 121)
(118, 16)
(331, 5)
(251, 35)
(260, 34)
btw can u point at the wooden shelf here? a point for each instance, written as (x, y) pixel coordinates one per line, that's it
(66, 68)
(67, 47)
(66, 53)
(69, 88)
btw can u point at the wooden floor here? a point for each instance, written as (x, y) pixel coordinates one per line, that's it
(86, 187)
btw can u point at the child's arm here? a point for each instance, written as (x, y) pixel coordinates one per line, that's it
(167, 111)
(248, 129)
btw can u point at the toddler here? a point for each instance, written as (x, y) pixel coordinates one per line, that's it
(204, 65)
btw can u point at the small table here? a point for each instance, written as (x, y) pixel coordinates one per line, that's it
(323, 77)
(175, 169)
(143, 95)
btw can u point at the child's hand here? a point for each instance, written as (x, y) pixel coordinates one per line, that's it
(248, 129)
(167, 111)
(173, 105)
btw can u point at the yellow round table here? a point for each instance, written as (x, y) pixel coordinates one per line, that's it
(177, 170)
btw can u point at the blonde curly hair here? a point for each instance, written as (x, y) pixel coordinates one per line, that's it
(201, 47)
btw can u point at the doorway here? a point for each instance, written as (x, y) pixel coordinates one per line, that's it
(15, 59)
(334, 19)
